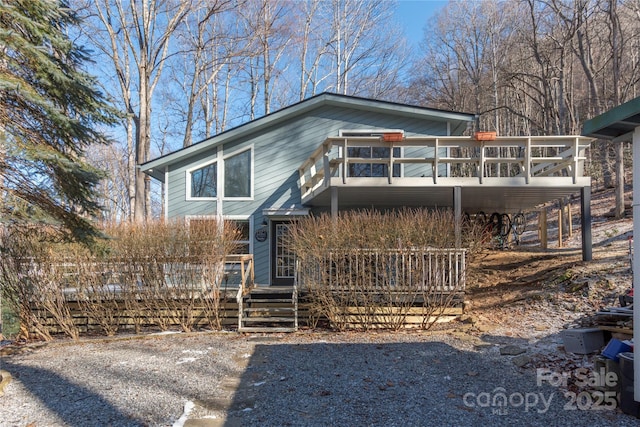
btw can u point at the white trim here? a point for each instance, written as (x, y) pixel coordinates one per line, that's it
(166, 193)
(219, 184)
(636, 258)
(274, 212)
(187, 180)
(368, 132)
(252, 173)
(188, 218)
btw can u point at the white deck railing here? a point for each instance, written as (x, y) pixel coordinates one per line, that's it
(424, 270)
(434, 158)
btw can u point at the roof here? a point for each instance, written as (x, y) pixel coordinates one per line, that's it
(459, 122)
(617, 123)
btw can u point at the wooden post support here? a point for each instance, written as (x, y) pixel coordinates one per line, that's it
(585, 223)
(457, 209)
(560, 219)
(569, 220)
(542, 228)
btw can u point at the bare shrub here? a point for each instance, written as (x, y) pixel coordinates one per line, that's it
(370, 269)
(171, 272)
(32, 283)
(157, 274)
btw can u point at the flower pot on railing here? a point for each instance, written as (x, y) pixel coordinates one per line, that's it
(392, 137)
(486, 136)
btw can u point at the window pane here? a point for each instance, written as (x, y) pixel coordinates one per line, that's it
(237, 175)
(203, 181)
(243, 235)
(241, 226)
(377, 170)
(364, 152)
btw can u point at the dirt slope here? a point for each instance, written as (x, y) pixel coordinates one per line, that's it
(525, 290)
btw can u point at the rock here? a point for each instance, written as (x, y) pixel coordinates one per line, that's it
(5, 379)
(541, 328)
(521, 360)
(468, 319)
(512, 350)
(484, 328)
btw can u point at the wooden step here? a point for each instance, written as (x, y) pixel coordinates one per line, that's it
(265, 329)
(268, 300)
(271, 290)
(268, 319)
(269, 310)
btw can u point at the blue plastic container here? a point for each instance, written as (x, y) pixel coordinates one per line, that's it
(614, 348)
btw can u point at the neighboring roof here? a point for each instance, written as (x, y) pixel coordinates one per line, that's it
(459, 122)
(617, 123)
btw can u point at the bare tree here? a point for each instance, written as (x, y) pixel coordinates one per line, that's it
(135, 36)
(203, 42)
(356, 40)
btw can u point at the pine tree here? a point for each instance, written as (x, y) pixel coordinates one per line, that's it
(50, 112)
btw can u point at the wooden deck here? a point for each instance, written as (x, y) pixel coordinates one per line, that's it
(507, 174)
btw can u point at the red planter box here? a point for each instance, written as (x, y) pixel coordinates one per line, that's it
(392, 137)
(486, 136)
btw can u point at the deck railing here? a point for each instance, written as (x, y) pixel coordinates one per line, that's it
(424, 270)
(439, 158)
(175, 273)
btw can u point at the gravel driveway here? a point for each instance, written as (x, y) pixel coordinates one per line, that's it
(301, 379)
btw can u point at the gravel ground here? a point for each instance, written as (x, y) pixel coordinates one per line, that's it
(301, 379)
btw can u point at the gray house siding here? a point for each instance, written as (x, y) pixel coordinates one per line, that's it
(278, 151)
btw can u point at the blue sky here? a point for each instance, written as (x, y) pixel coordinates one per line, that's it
(413, 14)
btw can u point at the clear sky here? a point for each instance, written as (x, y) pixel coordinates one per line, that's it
(413, 14)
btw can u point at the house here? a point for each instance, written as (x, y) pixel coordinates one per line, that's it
(333, 152)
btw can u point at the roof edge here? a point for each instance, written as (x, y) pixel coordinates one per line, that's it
(301, 107)
(615, 122)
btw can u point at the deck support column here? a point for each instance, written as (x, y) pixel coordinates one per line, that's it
(457, 213)
(334, 202)
(585, 220)
(636, 256)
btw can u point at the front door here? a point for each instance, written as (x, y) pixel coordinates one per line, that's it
(282, 257)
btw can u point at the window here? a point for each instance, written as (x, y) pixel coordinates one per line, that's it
(204, 181)
(377, 170)
(205, 228)
(243, 237)
(237, 175)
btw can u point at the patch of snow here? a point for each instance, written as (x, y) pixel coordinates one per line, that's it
(195, 351)
(188, 407)
(186, 360)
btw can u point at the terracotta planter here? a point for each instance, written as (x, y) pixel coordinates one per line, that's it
(392, 137)
(486, 136)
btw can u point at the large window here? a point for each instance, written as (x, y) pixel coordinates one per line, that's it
(377, 170)
(206, 227)
(204, 181)
(237, 175)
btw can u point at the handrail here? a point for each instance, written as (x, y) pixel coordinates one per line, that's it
(530, 157)
(430, 269)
